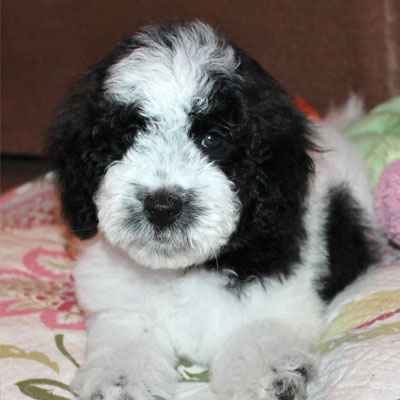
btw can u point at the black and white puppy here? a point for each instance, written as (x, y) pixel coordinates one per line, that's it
(227, 220)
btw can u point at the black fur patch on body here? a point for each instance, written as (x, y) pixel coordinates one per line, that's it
(351, 248)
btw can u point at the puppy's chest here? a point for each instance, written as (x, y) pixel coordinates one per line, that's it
(194, 300)
(108, 280)
(199, 312)
(196, 309)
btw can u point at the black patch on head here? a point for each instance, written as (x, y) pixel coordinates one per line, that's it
(265, 155)
(88, 134)
(351, 248)
(225, 119)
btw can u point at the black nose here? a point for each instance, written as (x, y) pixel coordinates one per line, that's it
(162, 208)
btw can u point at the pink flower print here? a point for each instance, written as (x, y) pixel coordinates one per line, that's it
(45, 263)
(47, 288)
(24, 209)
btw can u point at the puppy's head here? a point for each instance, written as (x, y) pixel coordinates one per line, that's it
(178, 146)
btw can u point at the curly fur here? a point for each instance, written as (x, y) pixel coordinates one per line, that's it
(274, 218)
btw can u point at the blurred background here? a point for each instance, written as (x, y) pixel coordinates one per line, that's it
(320, 50)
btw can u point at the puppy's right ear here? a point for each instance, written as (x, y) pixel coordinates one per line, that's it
(88, 133)
(72, 155)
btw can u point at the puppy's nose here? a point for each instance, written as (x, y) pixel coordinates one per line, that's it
(162, 208)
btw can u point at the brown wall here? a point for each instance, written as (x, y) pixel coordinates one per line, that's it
(319, 49)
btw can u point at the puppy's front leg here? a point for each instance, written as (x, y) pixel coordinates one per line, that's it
(264, 361)
(128, 358)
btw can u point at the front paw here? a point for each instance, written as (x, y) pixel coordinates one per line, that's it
(115, 382)
(284, 378)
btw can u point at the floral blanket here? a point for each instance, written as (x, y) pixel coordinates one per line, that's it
(42, 333)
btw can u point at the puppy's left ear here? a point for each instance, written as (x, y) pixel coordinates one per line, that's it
(284, 167)
(274, 190)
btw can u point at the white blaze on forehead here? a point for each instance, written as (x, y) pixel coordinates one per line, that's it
(167, 81)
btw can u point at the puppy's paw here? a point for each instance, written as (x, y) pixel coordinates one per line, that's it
(108, 382)
(284, 378)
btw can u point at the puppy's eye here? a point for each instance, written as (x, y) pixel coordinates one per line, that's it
(212, 140)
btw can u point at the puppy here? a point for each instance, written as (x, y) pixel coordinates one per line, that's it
(227, 221)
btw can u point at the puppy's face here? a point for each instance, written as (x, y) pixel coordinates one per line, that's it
(169, 144)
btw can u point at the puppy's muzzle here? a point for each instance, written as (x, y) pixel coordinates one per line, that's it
(162, 209)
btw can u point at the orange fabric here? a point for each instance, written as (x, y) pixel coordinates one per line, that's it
(305, 108)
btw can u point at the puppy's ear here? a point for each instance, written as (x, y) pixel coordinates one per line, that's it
(72, 152)
(283, 142)
(282, 145)
(89, 132)
(281, 139)
(274, 146)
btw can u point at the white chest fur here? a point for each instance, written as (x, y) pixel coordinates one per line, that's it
(195, 309)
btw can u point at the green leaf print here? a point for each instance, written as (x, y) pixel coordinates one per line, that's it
(60, 345)
(10, 351)
(43, 389)
(352, 337)
(192, 373)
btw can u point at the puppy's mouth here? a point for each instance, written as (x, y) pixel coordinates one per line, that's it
(165, 249)
(165, 241)
(168, 241)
